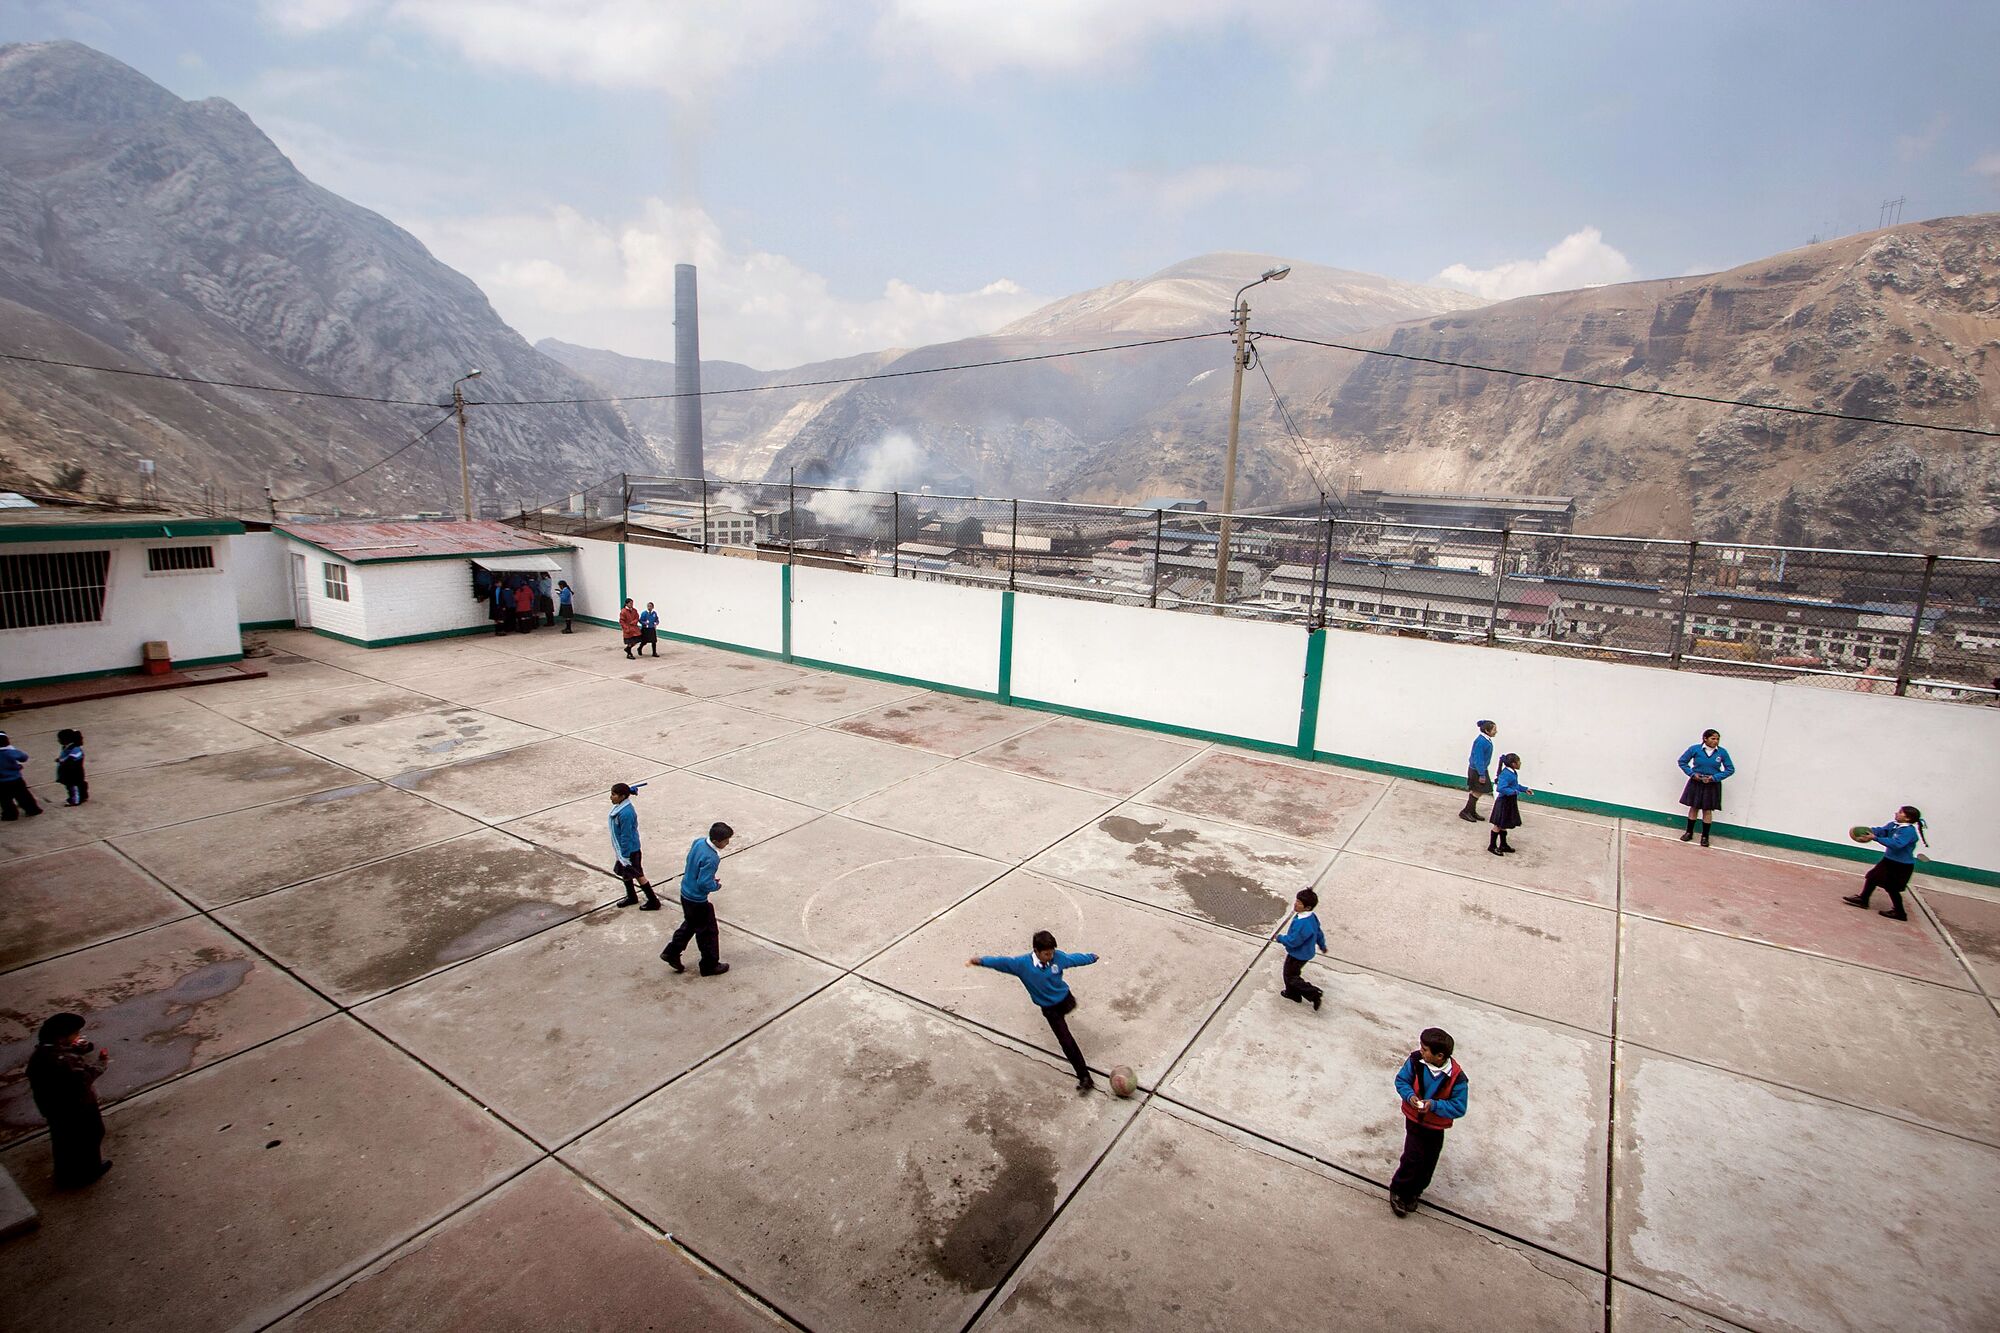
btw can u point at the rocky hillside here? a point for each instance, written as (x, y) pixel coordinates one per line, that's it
(140, 230)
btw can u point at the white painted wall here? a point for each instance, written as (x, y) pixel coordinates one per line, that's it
(263, 576)
(195, 612)
(929, 631)
(1810, 761)
(724, 598)
(594, 578)
(326, 613)
(412, 597)
(1210, 673)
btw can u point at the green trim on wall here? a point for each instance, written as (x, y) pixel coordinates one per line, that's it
(1309, 698)
(109, 672)
(1845, 851)
(764, 653)
(404, 638)
(116, 530)
(1164, 728)
(1006, 645)
(785, 610)
(267, 624)
(621, 576)
(890, 676)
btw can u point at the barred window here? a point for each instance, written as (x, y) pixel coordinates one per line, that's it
(336, 580)
(54, 588)
(179, 559)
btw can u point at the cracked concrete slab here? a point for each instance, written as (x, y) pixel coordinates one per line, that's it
(589, 703)
(162, 1002)
(316, 1153)
(1117, 761)
(707, 674)
(1555, 853)
(113, 749)
(1190, 1226)
(984, 810)
(1973, 924)
(1234, 877)
(420, 741)
(323, 709)
(1774, 1014)
(562, 1030)
(1158, 979)
(840, 890)
(362, 932)
(825, 769)
(862, 1163)
(1783, 1211)
(511, 783)
(540, 1252)
(1544, 956)
(946, 724)
(1528, 1158)
(823, 698)
(223, 858)
(68, 900)
(691, 733)
(489, 679)
(1317, 805)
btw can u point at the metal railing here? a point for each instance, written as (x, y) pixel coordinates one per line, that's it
(1900, 623)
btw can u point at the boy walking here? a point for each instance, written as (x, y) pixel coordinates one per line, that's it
(15, 798)
(649, 630)
(1433, 1089)
(1042, 973)
(625, 846)
(697, 912)
(1302, 937)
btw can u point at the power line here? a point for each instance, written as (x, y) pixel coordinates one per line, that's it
(851, 379)
(214, 384)
(1633, 388)
(1298, 439)
(420, 438)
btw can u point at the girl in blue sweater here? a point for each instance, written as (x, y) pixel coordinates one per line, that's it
(1898, 839)
(1706, 766)
(1507, 794)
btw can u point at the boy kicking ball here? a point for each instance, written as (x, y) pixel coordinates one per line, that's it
(1042, 973)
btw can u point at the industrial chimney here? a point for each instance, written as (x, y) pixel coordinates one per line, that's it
(687, 375)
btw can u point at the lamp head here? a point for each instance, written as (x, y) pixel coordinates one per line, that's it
(475, 374)
(1273, 275)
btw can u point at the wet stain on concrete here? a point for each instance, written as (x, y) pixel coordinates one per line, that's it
(152, 1034)
(975, 1245)
(1210, 878)
(1478, 913)
(339, 793)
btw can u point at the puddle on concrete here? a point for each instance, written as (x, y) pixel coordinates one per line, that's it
(975, 1242)
(151, 1034)
(1214, 886)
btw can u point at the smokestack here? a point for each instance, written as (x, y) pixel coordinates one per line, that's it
(687, 374)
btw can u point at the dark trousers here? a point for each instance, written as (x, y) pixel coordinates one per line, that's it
(79, 792)
(649, 638)
(1058, 1015)
(74, 1141)
(524, 621)
(697, 924)
(1892, 877)
(15, 796)
(569, 618)
(1421, 1146)
(1296, 985)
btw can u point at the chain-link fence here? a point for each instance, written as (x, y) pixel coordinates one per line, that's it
(1861, 620)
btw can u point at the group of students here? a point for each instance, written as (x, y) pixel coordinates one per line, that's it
(518, 599)
(17, 799)
(641, 629)
(1707, 766)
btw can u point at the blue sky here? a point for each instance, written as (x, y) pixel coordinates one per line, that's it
(854, 174)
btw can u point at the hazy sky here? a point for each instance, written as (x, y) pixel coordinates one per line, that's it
(854, 174)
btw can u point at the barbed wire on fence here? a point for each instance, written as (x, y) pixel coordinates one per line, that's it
(1898, 623)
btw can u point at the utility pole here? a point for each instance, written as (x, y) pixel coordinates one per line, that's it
(464, 468)
(1240, 317)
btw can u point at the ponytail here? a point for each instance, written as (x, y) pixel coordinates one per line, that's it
(1917, 818)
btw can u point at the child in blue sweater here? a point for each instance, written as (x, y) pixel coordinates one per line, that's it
(1434, 1091)
(1507, 794)
(1042, 973)
(1898, 839)
(1302, 937)
(69, 766)
(1478, 770)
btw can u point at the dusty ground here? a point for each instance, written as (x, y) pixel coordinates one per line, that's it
(386, 1056)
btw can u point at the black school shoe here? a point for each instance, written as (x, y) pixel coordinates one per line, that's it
(1895, 915)
(1397, 1206)
(715, 971)
(1086, 1086)
(672, 960)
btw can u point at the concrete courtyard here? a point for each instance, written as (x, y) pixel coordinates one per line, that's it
(385, 1055)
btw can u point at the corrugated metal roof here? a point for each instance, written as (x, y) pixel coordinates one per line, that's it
(368, 543)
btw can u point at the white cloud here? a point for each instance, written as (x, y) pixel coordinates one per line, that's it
(1189, 188)
(1580, 259)
(670, 45)
(1913, 147)
(561, 274)
(1989, 167)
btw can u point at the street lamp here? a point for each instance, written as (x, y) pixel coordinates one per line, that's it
(464, 469)
(1240, 317)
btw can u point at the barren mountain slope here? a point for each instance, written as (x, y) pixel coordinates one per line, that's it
(139, 230)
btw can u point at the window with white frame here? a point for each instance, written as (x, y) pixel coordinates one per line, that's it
(52, 588)
(179, 559)
(335, 580)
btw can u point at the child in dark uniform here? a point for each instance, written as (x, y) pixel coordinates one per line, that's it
(1898, 839)
(1478, 771)
(1507, 794)
(69, 765)
(1706, 765)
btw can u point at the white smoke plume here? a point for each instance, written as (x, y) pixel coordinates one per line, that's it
(894, 463)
